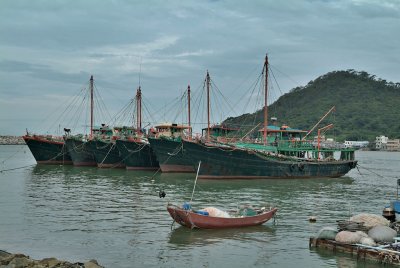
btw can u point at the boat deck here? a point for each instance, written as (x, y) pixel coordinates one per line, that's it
(381, 255)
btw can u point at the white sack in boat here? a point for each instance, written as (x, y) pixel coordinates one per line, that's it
(215, 212)
(370, 220)
(368, 241)
(327, 233)
(362, 234)
(382, 234)
(350, 237)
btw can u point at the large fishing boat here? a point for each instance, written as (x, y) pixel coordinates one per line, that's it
(282, 152)
(167, 146)
(133, 145)
(80, 150)
(104, 147)
(48, 149)
(166, 143)
(77, 146)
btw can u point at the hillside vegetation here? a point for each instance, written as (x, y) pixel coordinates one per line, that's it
(365, 106)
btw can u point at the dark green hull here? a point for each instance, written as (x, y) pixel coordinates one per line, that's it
(47, 151)
(170, 155)
(137, 155)
(80, 152)
(224, 162)
(106, 154)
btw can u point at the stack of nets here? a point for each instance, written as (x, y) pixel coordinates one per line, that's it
(352, 226)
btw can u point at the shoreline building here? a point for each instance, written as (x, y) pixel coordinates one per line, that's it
(393, 145)
(356, 144)
(381, 142)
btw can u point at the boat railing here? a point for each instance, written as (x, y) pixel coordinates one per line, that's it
(294, 144)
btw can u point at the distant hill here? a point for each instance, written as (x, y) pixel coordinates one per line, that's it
(365, 106)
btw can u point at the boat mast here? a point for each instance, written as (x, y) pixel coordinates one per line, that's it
(208, 106)
(139, 110)
(322, 118)
(91, 107)
(266, 100)
(190, 128)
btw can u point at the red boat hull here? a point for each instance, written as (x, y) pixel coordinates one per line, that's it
(192, 220)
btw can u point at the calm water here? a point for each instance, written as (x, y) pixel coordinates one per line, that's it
(116, 217)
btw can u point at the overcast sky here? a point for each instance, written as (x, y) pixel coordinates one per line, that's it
(49, 49)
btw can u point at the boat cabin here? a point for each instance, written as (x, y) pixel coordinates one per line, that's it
(281, 135)
(170, 130)
(102, 132)
(218, 131)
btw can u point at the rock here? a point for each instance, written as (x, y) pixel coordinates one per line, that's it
(50, 262)
(21, 260)
(8, 260)
(4, 254)
(92, 264)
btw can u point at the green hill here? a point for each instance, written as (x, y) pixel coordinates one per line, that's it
(365, 106)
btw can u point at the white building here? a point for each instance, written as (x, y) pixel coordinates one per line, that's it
(381, 142)
(393, 145)
(356, 144)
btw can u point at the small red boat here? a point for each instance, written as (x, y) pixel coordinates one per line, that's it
(200, 219)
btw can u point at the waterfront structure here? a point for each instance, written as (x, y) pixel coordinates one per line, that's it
(380, 142)
(11, 140)
(356, 144)
(393, 145)
(383, 143)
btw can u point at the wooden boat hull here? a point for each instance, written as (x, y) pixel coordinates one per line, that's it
(137, 155)
(106, 154)
(48, 151)
(80, 151)
(192, 220)
(170, 156)
(223, 162)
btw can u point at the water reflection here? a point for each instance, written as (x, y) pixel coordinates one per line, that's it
(182, 236)
(343, 260)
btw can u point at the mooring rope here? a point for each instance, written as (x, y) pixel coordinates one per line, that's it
(380, 176)
(180, 147)
(4, 170)
(112, 146)
(14, 154)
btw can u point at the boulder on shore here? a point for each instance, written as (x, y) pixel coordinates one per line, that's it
(22, 261)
